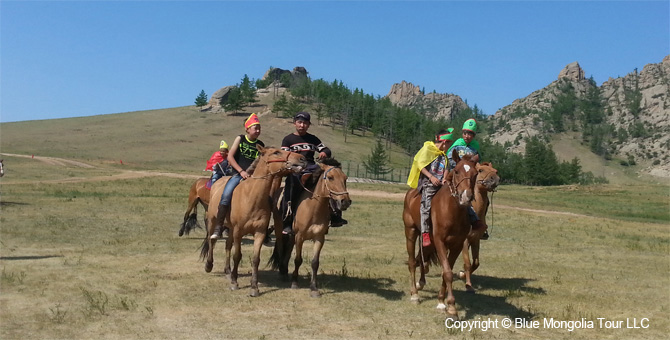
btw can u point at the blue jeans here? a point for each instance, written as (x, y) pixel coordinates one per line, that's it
(228, 189)
(473, 215)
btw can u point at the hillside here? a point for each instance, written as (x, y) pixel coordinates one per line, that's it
(179, 139)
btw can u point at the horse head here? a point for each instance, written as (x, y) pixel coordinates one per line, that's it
(333, 182)
(280, 161)
(488, 178)
(462, 178)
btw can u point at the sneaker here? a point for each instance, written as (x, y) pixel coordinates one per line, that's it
(485, 235)
(426, 239)
(215, 235)
(287, 231)
(224, 233)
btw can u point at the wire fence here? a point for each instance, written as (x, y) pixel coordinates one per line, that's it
(353, 169)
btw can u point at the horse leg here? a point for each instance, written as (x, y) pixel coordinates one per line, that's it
(447, 280)
(318, 245)
(475, 262)
(209, 263)
(467, 267)
(259, 237)
(298, 259)
(237, 256)
(229, 246)
(411, 265)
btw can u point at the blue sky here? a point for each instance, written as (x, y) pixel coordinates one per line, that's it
(81, 58)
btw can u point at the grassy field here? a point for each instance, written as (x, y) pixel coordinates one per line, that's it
(102, 259)
(93, 252)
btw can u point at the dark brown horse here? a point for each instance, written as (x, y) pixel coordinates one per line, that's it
(199, 193)
(312, 219)
(451, 226)
(250, 211)
(487, 181)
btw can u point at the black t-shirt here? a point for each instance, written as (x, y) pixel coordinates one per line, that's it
(305, 145)
(246, 152)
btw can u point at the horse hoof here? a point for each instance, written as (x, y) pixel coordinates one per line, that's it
(294, 285)
(234, 287)
(469, 289)
(315, 294)
(415, 299)
(208, 267)
(461, 275)
(420, 285)
(441, 306)
(181, 233)
(254, 293)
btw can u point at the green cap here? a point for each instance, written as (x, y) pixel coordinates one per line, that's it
(470, 125)
(446, 136)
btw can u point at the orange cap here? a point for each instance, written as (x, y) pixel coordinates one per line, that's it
(251, 121)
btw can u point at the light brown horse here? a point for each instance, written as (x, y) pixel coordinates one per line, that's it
(487, 181)
(250, 211)
(199, 193)
(451, 226)
(312, 219)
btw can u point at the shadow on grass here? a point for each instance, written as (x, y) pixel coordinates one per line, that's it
(28, 257)
(9, 204)
(483, 304)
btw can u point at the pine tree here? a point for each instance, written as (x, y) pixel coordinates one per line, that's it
(377, 162)
(201, 99)
(247, 91)
(234, 101)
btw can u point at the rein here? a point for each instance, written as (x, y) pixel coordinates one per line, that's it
(331, 193)
(267, 164)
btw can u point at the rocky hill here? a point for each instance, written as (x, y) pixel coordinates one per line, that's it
(434, 104)
(635, 124)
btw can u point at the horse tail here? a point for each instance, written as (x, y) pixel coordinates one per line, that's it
(204, 248)
(191, 222)
(281, 255)
(429, 256)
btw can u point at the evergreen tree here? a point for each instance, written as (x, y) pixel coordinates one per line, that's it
(377, 162)
(201, 99)
(247, 91)
(234, 101)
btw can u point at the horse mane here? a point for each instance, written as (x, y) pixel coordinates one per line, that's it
(331, 162)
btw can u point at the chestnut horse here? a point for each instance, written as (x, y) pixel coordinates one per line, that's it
(451, 226)
(312, 219)
(250, 211)
(487, 181)
(199, 193)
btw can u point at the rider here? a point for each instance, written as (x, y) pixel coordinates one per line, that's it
(242, 154)
(218, 164)
(467, 145)
(428, 174)
(305, 144)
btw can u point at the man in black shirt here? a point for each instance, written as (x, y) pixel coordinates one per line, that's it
(305, 144)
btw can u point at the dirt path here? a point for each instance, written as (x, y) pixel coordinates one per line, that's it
(132, 174)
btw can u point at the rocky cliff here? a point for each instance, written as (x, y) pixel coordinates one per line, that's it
(433, 104)
(636, 111)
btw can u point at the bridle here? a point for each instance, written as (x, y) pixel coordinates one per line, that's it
(452, 187)
(267, 165)
(331, 193)
(482, 182)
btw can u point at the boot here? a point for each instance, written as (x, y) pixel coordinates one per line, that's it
(219, 229)
(336, 220)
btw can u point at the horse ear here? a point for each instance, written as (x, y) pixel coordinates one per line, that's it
(322, 166)
(476, 158)
(260, 148)
(455, 156)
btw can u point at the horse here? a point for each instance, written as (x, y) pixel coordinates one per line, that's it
(2, 167)
(451, 226)
(488, 183)
(199, 193)
(312, 219)
(250, 211)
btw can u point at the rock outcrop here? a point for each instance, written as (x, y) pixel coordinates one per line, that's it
(433, 104)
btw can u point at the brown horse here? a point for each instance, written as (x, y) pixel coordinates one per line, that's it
(451, 226)
(199, 193)
(312, 219)
(250, 211)
(487, 181)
